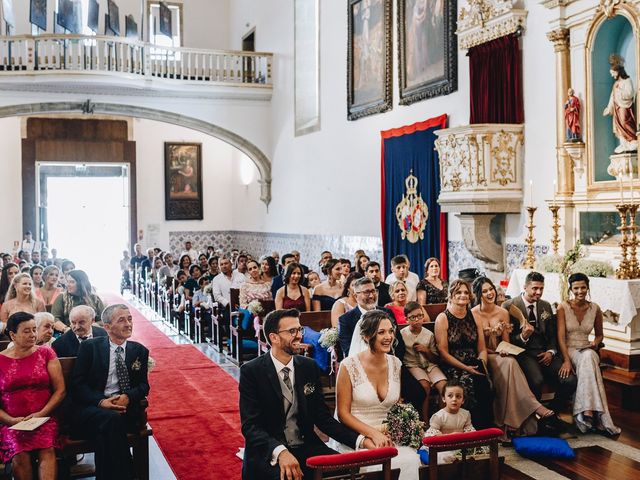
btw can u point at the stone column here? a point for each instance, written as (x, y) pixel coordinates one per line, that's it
(560, 39)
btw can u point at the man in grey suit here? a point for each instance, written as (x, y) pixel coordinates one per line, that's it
(534, 329)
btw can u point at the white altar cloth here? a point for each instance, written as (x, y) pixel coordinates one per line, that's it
(621, 297)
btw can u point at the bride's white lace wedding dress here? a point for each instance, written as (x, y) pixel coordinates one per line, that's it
(367, 407)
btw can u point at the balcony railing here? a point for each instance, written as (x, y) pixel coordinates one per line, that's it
(50, 53)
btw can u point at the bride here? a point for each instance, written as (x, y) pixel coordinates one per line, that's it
(368, 386)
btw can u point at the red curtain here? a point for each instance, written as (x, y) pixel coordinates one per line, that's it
(496, 81)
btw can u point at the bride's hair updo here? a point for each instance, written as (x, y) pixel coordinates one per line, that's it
(370, 324)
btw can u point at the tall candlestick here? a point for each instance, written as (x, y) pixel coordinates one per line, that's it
(531, 193)
(554, 193)
(631, 179)
(620, 183)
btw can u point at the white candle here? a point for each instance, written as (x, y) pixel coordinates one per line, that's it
(620, 183)
(554, 193)
(631, 179)
(531, 193)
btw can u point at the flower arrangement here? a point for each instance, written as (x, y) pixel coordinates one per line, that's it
(404, 425)
(207, 289)
(328, 337)
(255, 307)
(592, 268)
(550, 263)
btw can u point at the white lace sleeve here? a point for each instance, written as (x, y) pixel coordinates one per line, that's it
(357, 342)
(350, 365)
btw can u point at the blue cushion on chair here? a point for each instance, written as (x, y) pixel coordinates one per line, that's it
(249, 344)
(543, 447)
(245, 319)
(424, 456)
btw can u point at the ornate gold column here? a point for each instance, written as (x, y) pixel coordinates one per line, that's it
(560, 39)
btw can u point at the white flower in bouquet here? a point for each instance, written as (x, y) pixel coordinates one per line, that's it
(255, 307)
(328, 337)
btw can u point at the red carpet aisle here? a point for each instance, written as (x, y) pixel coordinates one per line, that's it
(193, 407)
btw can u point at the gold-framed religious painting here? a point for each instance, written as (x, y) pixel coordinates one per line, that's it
(427, 49)
(183, 181)
(369, 58)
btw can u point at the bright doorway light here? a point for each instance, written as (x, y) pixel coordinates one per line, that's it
(88, 222)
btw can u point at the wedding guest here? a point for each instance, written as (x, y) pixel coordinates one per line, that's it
(534, 329)
(373, 272)
(108, 384)
(20, 298)
(501, 297)
(347, 300)
(268, 269)
(400, 271)
(50, 290)
(450, 419)
(214, 267)
(399, 297)
(313, 280)
(421, 354)
(361, 264)
(255, 288)
(293, 294)
(83, 328)
(325, 294)
(432, 289)
(79, 292)
(44, 328)
(9, 270)
(31, 386)
(514, 406)
(203, 262)
(460, 341)
(577, 318)
(278, 281)
(36, 272)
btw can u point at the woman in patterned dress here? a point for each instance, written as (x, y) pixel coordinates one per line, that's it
(432, 289)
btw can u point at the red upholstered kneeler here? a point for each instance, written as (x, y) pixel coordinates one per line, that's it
(456, 441)
(352, 461)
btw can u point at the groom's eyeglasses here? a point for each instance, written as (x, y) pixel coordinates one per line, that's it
(293, 331)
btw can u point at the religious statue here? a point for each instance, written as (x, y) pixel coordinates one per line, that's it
(572, 110)
(621, 107)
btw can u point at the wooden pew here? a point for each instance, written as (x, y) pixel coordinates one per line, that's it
(434, 309)
(138, 441)
(316, 320)
(237, 353)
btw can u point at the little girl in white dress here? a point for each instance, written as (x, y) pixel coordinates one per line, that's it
(450, 419)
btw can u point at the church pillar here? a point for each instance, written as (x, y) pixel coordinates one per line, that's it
(560, 40)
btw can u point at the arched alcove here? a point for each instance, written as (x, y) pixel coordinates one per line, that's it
(260, 160)
(612, 35)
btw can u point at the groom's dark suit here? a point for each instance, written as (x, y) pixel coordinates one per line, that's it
(262, 413)
(543, 338)
(107, 428)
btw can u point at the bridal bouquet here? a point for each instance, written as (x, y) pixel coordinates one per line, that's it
(255, 307)
(328, 337)
(404, 425)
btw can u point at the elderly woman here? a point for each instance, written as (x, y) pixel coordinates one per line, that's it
(432, 289)
(292, 294)
(255, 288)
(79, 292)
(348, 299)
(399, 296)
(460, 341)
(50, 290)
(20, 298)
(31, 386)
(44, 329)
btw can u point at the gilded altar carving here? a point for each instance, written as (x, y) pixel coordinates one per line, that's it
(484, 20)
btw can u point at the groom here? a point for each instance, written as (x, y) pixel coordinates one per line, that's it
(280, 402)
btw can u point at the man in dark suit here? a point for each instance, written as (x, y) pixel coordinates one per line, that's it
(372, 270)
(280, 402)
(109, 381)
(534, 329)
(278, 282)
(367, 298)
(82, 328)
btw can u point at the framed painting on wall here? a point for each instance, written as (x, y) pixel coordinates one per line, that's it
(93, 15)
(113, 24)
(130, 27)
(38, 13)
(368, 58)
(427, 49)
(183, 181)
